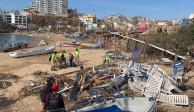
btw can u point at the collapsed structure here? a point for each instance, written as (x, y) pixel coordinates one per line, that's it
(117, 89)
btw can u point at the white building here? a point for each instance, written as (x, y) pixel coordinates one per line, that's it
(56, 7)
(20, 20)
(162, 23)
(88, 20)
(191, 16)
(176, 22)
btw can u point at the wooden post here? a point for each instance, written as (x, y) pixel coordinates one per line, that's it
(144, 52)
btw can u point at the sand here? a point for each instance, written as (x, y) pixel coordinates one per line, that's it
(25, 67)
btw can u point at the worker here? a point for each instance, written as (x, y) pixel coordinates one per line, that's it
(107, 59)
(63, 58)
(71, 58)
(52, 59)
(77, 56)
(54, 101)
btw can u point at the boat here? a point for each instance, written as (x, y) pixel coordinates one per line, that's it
(67, 44)
(25, 53)
(11, 46)
(98, 45)
(125, 104)
(31, 35)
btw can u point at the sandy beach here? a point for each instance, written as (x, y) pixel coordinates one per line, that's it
(25, 67)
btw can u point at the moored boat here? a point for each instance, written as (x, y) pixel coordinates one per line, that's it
(25, 53)
(67, 44)
(11, 46)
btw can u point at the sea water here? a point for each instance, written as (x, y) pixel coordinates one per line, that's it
(13, 37)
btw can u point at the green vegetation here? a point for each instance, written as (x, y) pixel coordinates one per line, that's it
(6, 28)
(57, 23)
(176, 42)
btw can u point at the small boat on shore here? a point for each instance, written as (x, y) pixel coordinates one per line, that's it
(11, 46)
(25, 53)
(31, 35)
(67, 44)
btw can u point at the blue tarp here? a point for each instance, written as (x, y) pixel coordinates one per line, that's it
(136, 54)
(178, 68)
(113, 108)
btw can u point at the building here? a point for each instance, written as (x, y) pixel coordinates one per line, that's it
(143, 26)
(1, 11)
(184, 22)
(176, 22)
(137, 19)
(19, 19)
(56, 7)
(163, 23)
(191, 16)
(88, 20)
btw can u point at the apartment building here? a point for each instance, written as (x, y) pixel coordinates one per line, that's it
(20, 20)
(56, 7)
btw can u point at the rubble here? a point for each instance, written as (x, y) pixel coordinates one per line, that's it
(5, 84)
(4, 101)
(158, 84)
(32, 88)
(43, 74)
(8, 76)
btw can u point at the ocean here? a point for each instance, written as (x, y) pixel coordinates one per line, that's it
(13, 37)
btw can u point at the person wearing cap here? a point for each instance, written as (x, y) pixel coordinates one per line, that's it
(77, 56)
(52, 59)
(54, 101)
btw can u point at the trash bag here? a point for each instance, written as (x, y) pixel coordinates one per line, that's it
(74, 64)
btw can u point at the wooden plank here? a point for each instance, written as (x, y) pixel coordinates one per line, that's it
(166, 60)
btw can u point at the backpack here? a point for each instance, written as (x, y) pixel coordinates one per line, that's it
(54, 102)
(43, 94)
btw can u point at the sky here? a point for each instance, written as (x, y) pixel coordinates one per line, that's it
(153, 9)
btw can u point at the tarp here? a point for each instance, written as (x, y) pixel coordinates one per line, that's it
(113, 108)
(136, 54)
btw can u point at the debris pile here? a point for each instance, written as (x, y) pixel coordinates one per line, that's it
(5, 84)
(32, 88)
(152, 81)
(8, 76)
(129, 79)
(42, 74)
(4, 101)
(4, 77)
